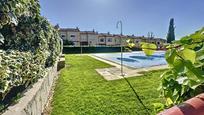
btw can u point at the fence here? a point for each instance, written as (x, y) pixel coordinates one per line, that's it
(77, 50)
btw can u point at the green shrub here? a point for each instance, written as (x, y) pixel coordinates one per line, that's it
(185, 78)
(18, 68)
(28, 44)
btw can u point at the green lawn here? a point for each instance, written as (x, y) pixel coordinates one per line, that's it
(80, 90)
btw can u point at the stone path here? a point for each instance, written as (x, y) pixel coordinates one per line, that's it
(114, 73)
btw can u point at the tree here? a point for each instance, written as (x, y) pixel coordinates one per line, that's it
(171, 34)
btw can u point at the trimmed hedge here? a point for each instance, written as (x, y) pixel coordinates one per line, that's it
(28, 45)
(77, 50)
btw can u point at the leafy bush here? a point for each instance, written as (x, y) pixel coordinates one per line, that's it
(10, 10)
(18, 68)
(185, 77)
(28, 44)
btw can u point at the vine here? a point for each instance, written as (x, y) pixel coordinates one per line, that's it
(28, 45)
(185, 77)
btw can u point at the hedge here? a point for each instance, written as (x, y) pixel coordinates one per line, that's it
(28, 45)
(77, 50)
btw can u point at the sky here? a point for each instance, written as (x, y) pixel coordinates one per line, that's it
(138, 16)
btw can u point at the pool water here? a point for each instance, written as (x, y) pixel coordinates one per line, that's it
(135, 59)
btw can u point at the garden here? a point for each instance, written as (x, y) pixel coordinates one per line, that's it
(81, 90)
(29, 45)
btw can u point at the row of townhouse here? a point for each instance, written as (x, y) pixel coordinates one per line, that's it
(93, 38)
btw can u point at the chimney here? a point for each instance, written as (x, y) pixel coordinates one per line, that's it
(77, 28)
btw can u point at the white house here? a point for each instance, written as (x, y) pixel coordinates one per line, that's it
(89, 38)
(92, 38)
(71, 34)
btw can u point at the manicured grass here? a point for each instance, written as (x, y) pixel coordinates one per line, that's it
(81, 90)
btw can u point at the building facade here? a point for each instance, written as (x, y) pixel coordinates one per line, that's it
(79, 38)
(71, 35)
(89, 38)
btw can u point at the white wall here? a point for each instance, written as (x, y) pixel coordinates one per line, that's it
(110, 41)
(93, 39)
(101, 42)
(83, 38)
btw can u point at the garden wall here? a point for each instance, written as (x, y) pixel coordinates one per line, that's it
(193, 106)
(35, 99)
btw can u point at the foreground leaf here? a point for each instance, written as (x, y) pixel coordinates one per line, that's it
(149, 48)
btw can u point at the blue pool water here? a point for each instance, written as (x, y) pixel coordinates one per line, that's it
(135, 59)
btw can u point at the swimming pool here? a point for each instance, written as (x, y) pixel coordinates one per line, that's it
(135, 59)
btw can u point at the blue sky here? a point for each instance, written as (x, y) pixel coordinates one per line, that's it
(139, 16)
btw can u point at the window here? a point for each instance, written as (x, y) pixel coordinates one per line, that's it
(72, 36)
(158, 42)
(109, 39)
(63, 36)
(102, 40)
(137, 41)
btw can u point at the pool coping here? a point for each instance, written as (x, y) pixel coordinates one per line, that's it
(113, 73)
(117, 64)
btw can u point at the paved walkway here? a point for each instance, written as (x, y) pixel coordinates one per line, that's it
(114, 73)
